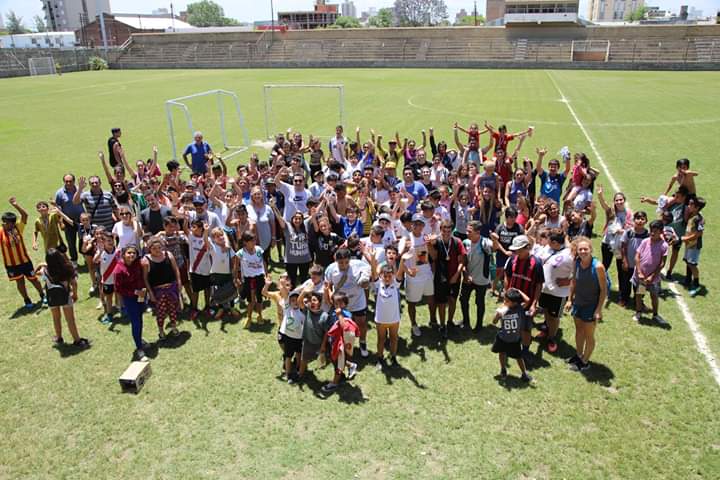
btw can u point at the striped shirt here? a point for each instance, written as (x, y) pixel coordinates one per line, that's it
(100, 207)
(13, 246)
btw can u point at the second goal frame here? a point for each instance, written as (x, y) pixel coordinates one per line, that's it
(268, 102)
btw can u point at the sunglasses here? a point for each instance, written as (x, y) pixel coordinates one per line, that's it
(125, 214)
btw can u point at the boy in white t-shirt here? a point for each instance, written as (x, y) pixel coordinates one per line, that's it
(387, 310)
(199, 267)
(106, 257)
(252, 273)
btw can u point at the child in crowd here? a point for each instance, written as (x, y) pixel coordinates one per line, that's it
(341, 337)
(684, 177)
(88, 248)
(15, 256)
(106, 258)
(629, 244)
(61, 291)
(291, 334)
(48, 226)
(221, 268)
(317, 323)
(251, 277)
(649, 261)
(199, 267)
(512, 320)
(693, 243)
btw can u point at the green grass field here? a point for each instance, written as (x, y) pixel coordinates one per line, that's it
(214, 406)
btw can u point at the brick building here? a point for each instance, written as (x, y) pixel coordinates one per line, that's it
(119, 27)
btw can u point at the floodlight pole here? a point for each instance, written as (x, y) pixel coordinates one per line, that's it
(272, 23)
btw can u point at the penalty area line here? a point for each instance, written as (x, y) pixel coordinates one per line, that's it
(700, 340)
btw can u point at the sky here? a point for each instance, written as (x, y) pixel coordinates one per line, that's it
(251, 10)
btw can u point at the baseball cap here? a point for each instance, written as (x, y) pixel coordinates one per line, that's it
(269, 181)
(390, 165)
(199, 200)
(419, 218)
(519, 242)
(385, 216)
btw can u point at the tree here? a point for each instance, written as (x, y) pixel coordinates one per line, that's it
(415, 13)
(14, 24)
(40, 25)
(637, 14)
(347, 22)
(207, 13)
(469, 20)
(383, 19)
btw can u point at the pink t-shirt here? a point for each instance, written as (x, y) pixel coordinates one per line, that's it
(651, 255)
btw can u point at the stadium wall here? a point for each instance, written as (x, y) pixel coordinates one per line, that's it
(14, 62)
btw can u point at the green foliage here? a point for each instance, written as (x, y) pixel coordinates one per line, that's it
(207, 13)
(97, 63)
(347, 22)
(40, 25)
(383, 19)
(469, 20)
(637, 14)
(14, 24)
(417, 13)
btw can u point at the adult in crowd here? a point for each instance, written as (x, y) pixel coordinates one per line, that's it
(64, 201)
(99, 204)
(152, 218)
(116, 154)
(199, 152)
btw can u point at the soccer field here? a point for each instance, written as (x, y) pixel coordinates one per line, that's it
(215, 407)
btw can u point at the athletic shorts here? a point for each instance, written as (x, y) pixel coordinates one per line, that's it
(443, 291)
(653, 289)
(199, 282)
(24, 270)
(586, 313)
(692, 256)
(310, 351)
(359, 313)
(108, 289)
(252, 288)
(415, 291)
(511, 349)
(552, 304)
(291, 346)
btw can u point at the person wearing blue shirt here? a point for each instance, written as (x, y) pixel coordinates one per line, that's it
(64, 201)
(551, 181)
(414, 188)
(199, 151)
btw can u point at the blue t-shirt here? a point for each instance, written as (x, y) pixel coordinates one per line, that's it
(418, 191)
(198, 152)
(348, 229)
(552, 186)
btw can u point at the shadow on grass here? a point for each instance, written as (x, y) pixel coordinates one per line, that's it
(649, 322)
(22, 311)
(599, 373)
(512, 382)
(174, 341)
(398, 372)
(69, 350)
(347, 392)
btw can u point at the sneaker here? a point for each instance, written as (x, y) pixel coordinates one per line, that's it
(140, 356)
(637, 317)
(106, 319)
(352, 371)
(695, 290)
(174, 331)
(552, 346)
(43, 301)
(579, 366)
(82, 343)
(584, 367)
(394, 361)
(526, 378)
(660, 321)
(92, 291)
(503, 373)
(29, 304)
(58, 341)
(434, 324)
(573, 360)
(99, 306)
(292, 379)
(363, 350)
(416, 331)
(329, 388)
(380, 365)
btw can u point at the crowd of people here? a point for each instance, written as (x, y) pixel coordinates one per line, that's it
(358, 226)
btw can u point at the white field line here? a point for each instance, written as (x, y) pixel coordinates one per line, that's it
(700, 339)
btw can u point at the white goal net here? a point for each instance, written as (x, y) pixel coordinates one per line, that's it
(590, 50)
(216, 113)
(308, 108)
(41, 66)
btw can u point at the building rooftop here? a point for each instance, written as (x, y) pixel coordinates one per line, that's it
(150, 22)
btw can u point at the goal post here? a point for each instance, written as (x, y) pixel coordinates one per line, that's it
(181, 103)
(590, 51)
(311, 100)
(41, 66)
